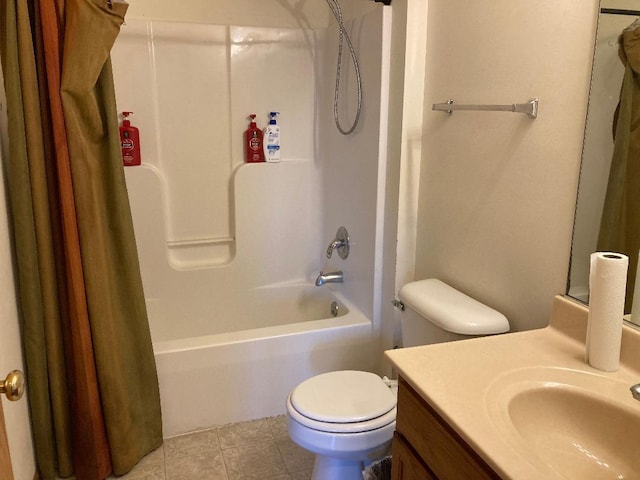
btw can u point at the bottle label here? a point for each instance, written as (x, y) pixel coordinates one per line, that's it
(128, 154)
(127, 144)
(254, 143)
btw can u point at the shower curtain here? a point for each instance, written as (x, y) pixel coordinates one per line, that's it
(91, 376)
(620, 223)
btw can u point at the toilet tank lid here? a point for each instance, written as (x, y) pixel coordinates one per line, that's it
(451, 309)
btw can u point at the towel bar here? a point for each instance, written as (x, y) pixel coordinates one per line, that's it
(530, 108)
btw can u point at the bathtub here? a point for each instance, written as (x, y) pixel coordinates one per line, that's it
(235, 359)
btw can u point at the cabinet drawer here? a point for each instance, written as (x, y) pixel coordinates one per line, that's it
(440, 447)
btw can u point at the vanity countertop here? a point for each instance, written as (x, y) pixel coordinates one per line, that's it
(464, 382)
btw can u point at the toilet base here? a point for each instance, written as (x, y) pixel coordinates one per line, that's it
(340, 468)
(331, 468)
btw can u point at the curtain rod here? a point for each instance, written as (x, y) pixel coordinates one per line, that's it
(618, 11)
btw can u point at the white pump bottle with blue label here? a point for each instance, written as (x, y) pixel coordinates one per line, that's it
(271, 139)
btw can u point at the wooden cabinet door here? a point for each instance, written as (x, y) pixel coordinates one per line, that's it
(6, 470)
(405, 464)
(435, 441)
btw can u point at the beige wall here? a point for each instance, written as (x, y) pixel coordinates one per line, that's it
(497, 190)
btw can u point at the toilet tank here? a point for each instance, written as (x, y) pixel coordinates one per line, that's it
(436, 312)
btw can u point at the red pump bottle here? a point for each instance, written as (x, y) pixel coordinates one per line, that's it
(129, 142)
(253, 142)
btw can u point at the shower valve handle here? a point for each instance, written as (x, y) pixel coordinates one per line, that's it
(332, 246)
(341, 244)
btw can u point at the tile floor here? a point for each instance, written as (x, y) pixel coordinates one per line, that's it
(260, 449)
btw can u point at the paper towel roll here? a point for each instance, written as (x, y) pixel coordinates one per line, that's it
(607, 287)
(635, 306)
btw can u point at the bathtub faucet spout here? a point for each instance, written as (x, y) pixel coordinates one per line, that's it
(331, 277)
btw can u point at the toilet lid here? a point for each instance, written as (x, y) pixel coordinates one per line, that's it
(343, 397)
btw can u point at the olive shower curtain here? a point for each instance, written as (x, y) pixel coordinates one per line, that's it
(620, 223)
(91, 374)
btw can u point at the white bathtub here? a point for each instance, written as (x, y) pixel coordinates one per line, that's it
(233, 360)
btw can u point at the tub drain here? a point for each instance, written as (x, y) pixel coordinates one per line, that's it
(334, 309)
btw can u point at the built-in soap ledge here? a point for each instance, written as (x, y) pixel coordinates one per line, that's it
(201, 252)
(195, 242)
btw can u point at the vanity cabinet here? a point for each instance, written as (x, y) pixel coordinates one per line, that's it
(425, 447)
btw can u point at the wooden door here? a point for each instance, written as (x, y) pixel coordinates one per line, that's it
(15, 427)
(6, 470)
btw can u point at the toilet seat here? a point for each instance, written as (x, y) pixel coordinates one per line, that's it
(343, 402)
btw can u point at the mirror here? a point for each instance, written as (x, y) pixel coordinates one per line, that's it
(598, 151)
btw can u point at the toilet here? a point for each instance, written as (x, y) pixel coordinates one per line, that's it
(347, 418)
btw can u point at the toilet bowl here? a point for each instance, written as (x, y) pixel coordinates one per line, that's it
(347, 418)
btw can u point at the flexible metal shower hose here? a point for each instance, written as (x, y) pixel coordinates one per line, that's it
(334, 6)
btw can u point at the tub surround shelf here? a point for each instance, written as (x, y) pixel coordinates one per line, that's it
(467, 386)
(191, 242)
